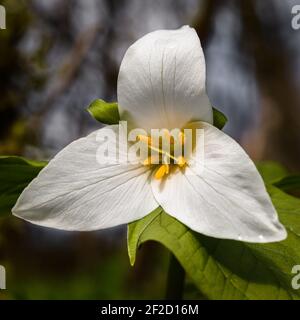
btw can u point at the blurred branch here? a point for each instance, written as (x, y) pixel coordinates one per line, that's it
(204, 20)
(110, 70)
(68, 70)
(280, 135)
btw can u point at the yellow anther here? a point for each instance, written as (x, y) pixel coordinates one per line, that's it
(145, 139)
(167, 168)
(163, 158)
(181, 161)
(147, 161)
(162, 170)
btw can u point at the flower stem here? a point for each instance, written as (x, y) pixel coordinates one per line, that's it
(175, 280)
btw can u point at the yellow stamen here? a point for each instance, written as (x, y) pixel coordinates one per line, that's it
(162, 170)
(164, 158)
(181, 161)
(147, 161)
(167, 169)
(162, 152)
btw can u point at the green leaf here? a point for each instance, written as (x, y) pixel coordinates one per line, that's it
(136, 229)
(108, 113)
(225, 269)
(104, 112)
(288, 208)
(219, 119)
(276, 174)
(271, 172)
(289, 183)
(15, 174)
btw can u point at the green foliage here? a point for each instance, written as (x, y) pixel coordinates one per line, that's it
(271, 172)
(104, 112)
(108, 113)
(219, 119)
(226, 269)
(291, 182)
(96, 276)
(15, 174)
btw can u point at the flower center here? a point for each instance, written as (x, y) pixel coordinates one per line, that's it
(164, 152)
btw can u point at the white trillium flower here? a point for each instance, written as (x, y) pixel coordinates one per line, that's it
(161, 84)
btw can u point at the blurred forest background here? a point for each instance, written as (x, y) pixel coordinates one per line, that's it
(56, 56)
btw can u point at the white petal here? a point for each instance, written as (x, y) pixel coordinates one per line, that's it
(227, 199)
(161, 82)
(75, 192)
